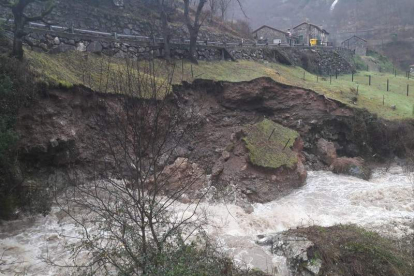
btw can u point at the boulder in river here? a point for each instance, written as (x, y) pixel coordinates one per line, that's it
(326, 151)
(351, 166)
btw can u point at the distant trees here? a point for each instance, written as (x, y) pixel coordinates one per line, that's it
(18, 8)
(223, 7)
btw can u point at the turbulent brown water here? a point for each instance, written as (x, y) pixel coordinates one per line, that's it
(384, 204)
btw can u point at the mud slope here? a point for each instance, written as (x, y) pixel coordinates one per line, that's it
(58, 131)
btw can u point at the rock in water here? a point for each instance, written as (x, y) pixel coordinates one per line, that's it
(326, 151)
(351, 166)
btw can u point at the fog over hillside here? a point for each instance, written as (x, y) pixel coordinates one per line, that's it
(388, 25)
(370, 18)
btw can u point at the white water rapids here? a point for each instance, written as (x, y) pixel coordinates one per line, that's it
(384, 204)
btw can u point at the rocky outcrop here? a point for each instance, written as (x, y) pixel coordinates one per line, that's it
(296, 250)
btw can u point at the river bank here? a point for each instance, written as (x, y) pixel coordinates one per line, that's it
(383, 204)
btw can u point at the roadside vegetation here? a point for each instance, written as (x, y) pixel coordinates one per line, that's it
(68, 69)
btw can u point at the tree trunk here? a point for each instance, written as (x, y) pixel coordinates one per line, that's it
(193, 46)
(18, 34)
(17, 48)
(166, 35)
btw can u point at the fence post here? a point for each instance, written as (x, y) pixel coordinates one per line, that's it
(383, 100)
(336, 74)
(408, 89)
(352, 76)
(116, 36)
(317, 78)
(304, 75)
(388, 85)
(330, 79)
(72, 29)
(369, 80)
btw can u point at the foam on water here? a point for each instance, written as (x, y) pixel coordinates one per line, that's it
(384, 204)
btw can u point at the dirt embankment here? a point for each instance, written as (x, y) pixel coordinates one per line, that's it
(58, 131)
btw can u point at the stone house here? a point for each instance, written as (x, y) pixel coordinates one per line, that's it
(307, 31)
(356, 44)
(266, 34)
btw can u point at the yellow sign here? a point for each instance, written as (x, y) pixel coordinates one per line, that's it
(313, 42)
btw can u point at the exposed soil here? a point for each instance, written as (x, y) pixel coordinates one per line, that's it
(58, 131)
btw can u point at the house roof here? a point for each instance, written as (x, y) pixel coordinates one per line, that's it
(316, 26)
(354, 37)
(265, 26)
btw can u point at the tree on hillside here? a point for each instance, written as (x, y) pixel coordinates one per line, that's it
(21, 19)
(165, 8)
(213, 5)
(223, 6)
(193, 25)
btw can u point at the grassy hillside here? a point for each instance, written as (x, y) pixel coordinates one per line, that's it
(80, 68)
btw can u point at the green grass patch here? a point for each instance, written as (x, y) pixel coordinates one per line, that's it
(269, 145)
(101, 73)
(351, 250)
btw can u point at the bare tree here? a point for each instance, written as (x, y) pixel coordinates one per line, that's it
(21, 19)
(213, 5)
(223, 6)
(193, 25)
(166, 7)
(127, 216)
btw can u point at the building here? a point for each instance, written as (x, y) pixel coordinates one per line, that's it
(307, 31)
(412, 68)
(269, 35)
(356, 44)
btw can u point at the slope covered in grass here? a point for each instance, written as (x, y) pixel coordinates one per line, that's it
(92, 70)
(269, 145)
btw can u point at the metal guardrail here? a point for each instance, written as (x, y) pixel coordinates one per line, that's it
(219, 44)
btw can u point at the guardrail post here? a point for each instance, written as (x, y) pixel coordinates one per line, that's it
(115, 36)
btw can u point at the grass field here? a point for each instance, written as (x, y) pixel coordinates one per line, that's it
(92, 70)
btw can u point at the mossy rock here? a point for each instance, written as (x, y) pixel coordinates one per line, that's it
(270, 145)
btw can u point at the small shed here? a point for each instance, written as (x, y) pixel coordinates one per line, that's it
(356, 44)
(266, 34)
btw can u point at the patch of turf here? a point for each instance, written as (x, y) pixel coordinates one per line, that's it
(348, 250)
(269, 145)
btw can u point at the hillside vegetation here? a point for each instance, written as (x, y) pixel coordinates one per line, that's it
(72, 68)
